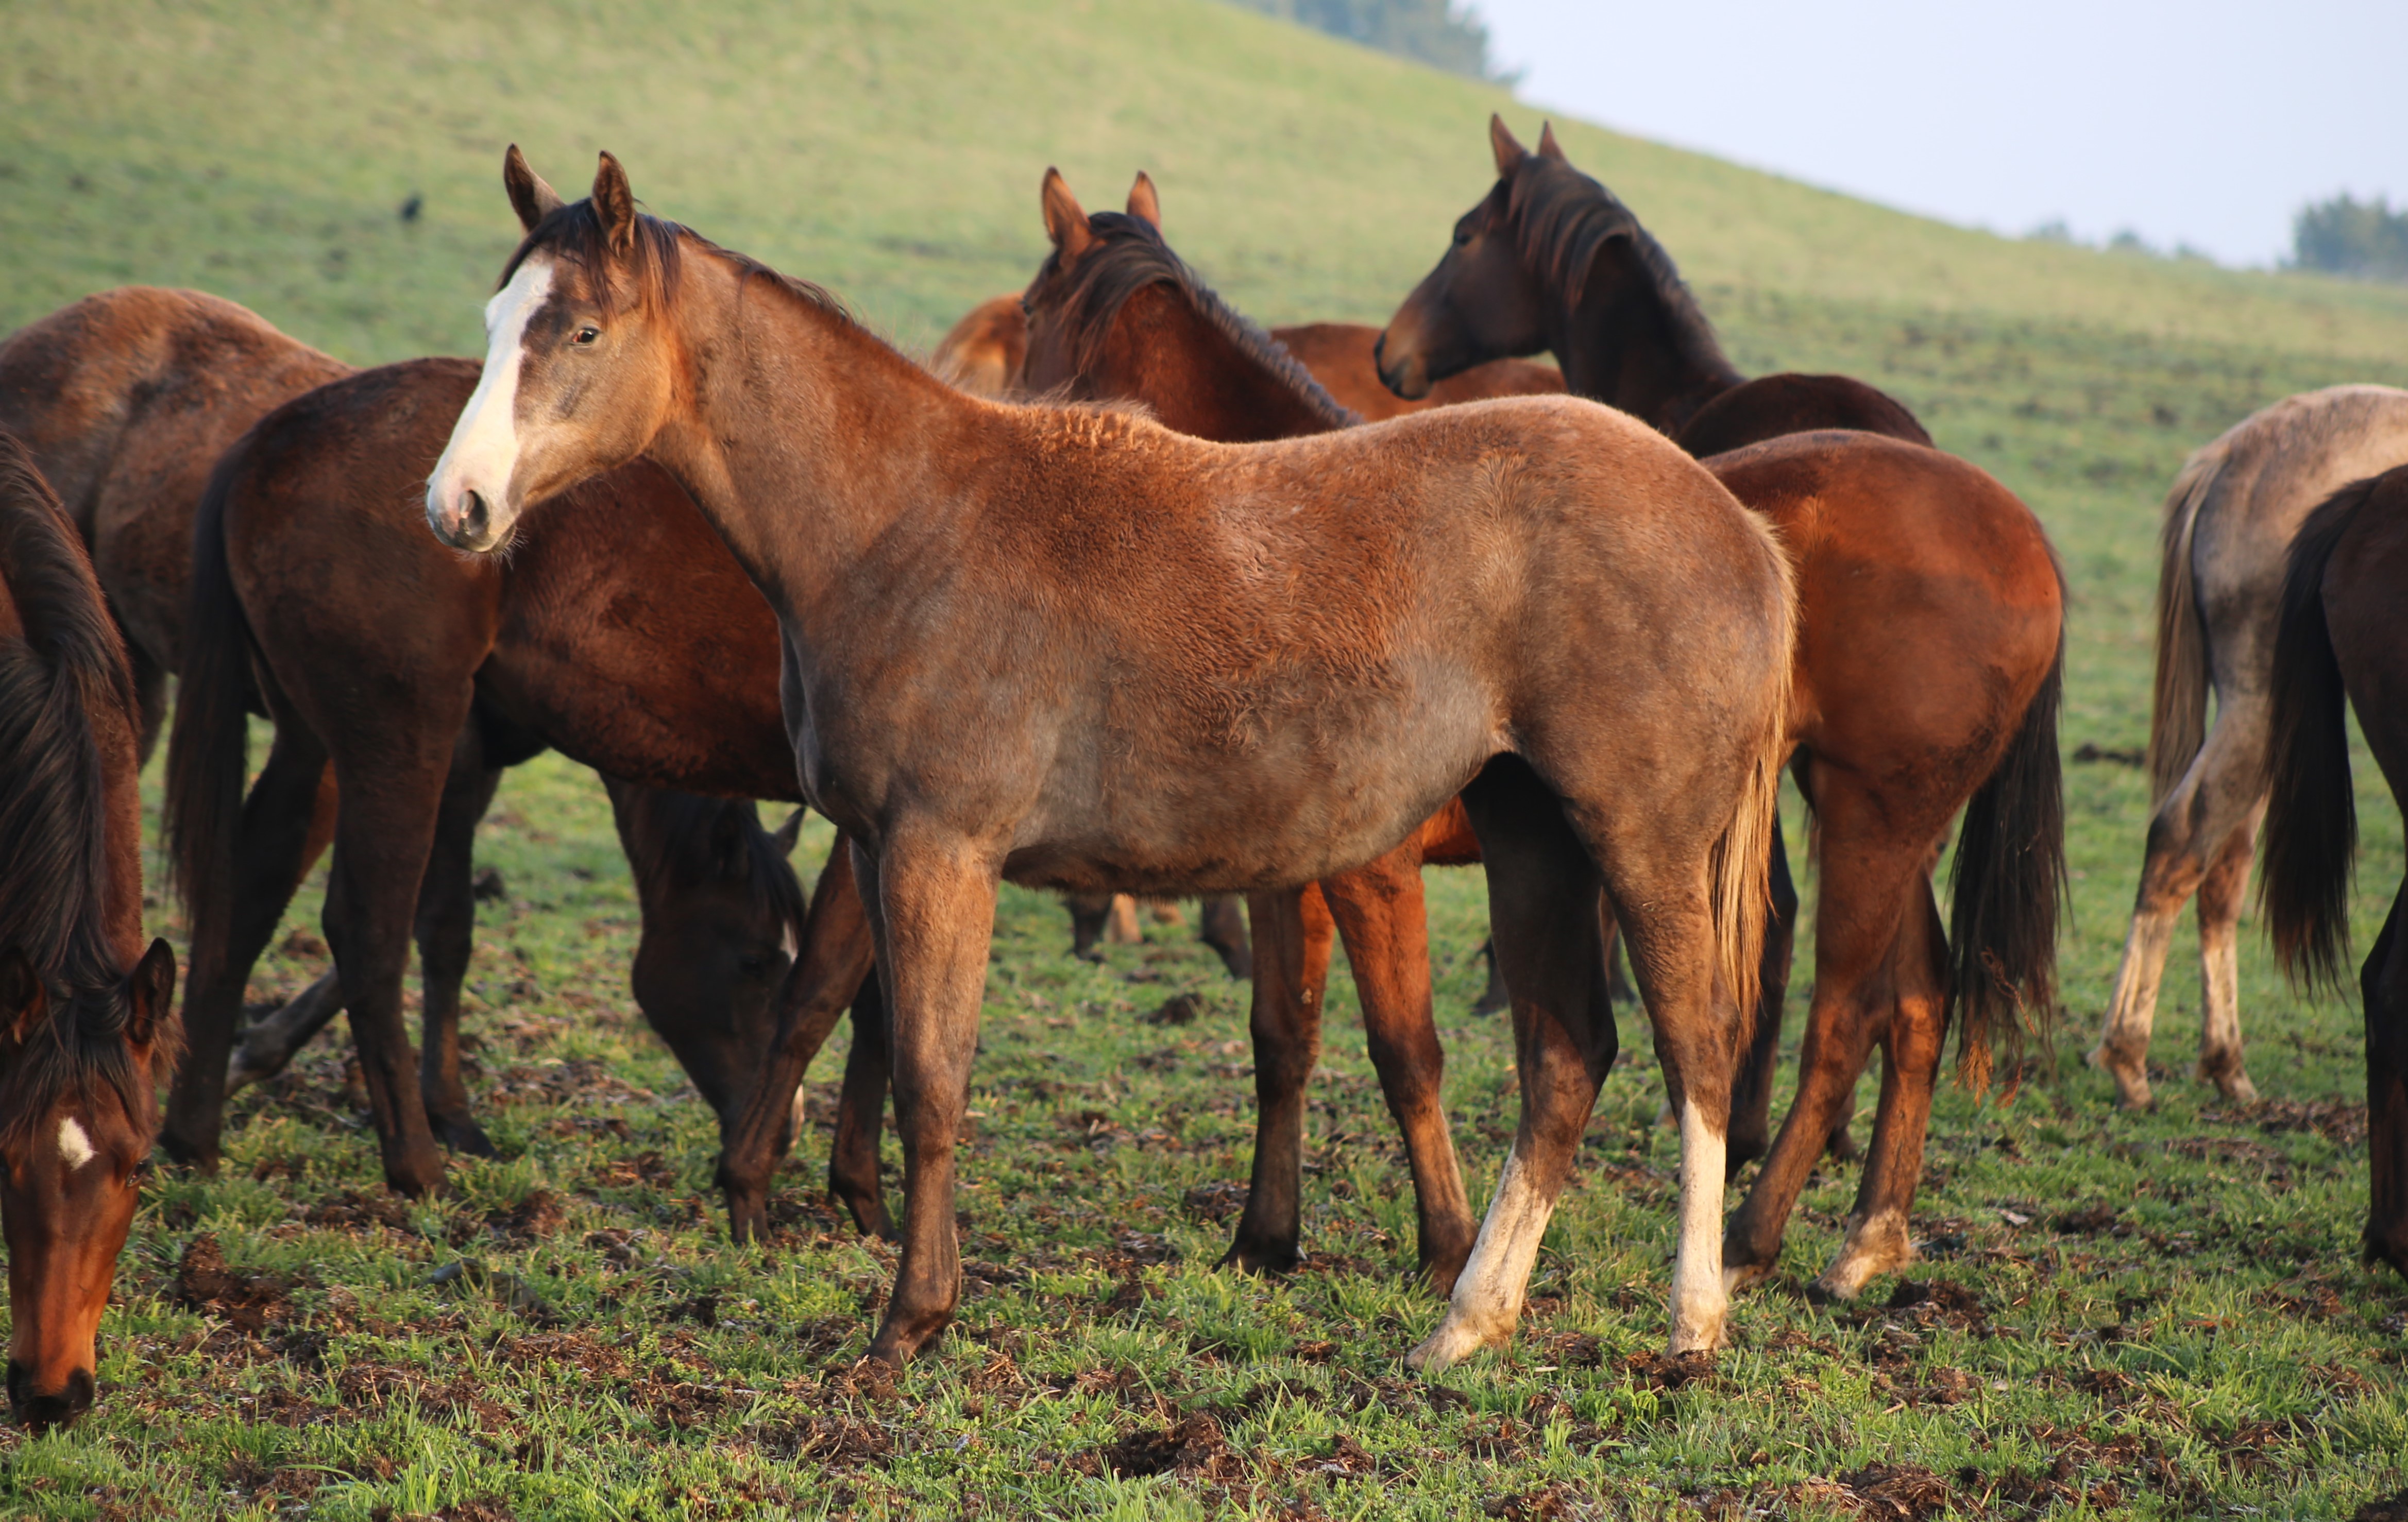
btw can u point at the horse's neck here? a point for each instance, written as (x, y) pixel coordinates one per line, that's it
(1198, 379)
(1634, 349)
(804, 438)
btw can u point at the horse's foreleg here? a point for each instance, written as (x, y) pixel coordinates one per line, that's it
(2384, 984)
(1088, 914)
(2220, 896)
(1877, 1241)
(836, 957)
(933, 903)
(447, 933)
(1222, 926)
(860, 1117)
(1544, 895)
(1293, 935)
(1380, 912)
(271, 855)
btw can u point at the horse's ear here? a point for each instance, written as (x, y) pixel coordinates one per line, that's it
(1509, 152)
(530, 197)
(1145, 204)
(614, 203)
(1066, 224)
(1548, 147)
(23, 1000)
(790, 832)
(152, 994)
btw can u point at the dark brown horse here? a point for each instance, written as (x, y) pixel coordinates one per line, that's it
(1930, 669)
(1548, 260)
(1898, 548)
(124, 400)
(419, 676)
(87, 1015)
(1084, 651)
(2343, 642)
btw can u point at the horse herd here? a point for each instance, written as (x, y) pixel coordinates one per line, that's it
(1221, 611)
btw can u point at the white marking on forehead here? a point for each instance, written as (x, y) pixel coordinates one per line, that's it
(484, 447)
(75, 1148)
(788, 939)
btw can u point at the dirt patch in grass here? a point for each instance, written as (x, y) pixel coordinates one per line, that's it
(249, 1301)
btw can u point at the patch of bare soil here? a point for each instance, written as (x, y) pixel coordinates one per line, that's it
(248, 1301)
(1190, 1448)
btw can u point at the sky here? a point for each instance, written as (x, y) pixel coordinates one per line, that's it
(2205, 123)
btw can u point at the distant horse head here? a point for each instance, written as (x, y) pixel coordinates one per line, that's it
(1114, 315)
(986, 352)
(723, 921)
(1550, 260)
(86, 1015)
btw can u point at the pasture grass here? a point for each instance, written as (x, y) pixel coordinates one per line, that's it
(2155, 1315)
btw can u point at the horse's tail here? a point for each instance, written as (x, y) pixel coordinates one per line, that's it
(2178, 707)
(208, 750)
(2311, 837)
(2007, 884)
(1742, 866)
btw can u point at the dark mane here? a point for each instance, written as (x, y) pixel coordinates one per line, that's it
(1130, 254)
(1562, 219)
(573, 233)
(671, 842)
(54, 872)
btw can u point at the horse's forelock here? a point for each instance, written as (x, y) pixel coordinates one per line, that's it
(573, 233)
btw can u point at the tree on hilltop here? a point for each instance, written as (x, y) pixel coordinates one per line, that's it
(2365, 239)
(1439, 32)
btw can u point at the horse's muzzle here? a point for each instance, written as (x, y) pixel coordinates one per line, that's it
(41, 1411)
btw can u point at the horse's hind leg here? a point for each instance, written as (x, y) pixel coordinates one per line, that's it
(1222, 925)
(447, 933)
(2384, 984)
(1293, 935)
(1543, 899)
(1751, 1121)
(2220, 895)
(269, 1047)
(1088, 914)
(2216, 797)
(1916, 1028)
(271, 855)
(1381, 916)
(860, 1117)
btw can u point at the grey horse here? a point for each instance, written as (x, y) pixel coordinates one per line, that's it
(2229, 522)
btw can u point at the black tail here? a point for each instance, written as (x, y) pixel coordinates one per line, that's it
(209, 751)
(2311, 837)
(2007, 885)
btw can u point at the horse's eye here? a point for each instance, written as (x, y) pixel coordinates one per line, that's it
(586, 336)
(1462, 236)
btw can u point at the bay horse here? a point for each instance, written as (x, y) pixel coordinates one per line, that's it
(1550, 260)
(1081, 650)
(2341, 642)
(418, 675)
(1929, 673)
(2229, 521)
(87, 1015)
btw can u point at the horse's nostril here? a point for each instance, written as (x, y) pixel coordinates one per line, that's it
(473, 516)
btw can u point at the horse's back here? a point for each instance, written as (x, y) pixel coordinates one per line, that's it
(1769, 407)
(126, 399)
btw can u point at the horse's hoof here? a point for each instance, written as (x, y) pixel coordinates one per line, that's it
(2233, 1084)
(1738, 1276)
(1278, 1257)
(200, 1157)
(1456, 1339)
(465, 1136)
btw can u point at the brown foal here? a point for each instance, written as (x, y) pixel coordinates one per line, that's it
(1084, 651)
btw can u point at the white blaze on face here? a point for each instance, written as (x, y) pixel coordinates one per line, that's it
(75, 1148)
(484, 447)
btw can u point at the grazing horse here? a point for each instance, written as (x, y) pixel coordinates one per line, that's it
(2230, 520)
(1548, 260)
(1083, 651)
(1929, 670)
(87, 1015)
(2342, 641)
(419, 676)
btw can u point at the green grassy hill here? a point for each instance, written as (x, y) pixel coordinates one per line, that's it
(2211, 1350)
